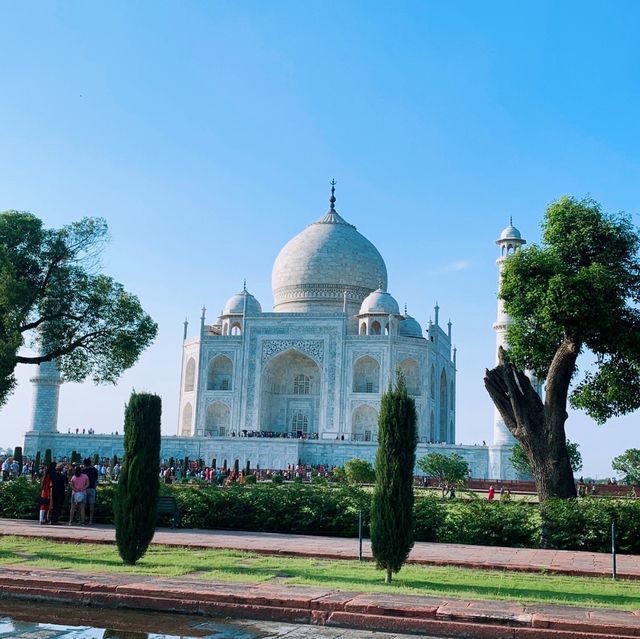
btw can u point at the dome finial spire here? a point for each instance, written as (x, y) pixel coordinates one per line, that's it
(332, 199)
(511, 220)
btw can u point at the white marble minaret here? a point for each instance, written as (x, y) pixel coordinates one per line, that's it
(509, 242)
(46, 391)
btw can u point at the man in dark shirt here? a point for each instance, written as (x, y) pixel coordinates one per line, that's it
(92, 473)
(58, 485)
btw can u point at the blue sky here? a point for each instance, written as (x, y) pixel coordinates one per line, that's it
(206, 134)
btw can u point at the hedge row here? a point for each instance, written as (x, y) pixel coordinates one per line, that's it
(582, 524)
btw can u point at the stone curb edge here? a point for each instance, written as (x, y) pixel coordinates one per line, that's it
(331, 609)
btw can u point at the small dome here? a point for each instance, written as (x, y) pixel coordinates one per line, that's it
(236, 304)
(510, 233)
(379, 302)
(409, 327)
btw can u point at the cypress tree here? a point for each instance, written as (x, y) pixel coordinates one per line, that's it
(96, 459)
(36, 464)
(17, 455)
(392, 503)
(47, 457)
(236, 466)
(136, 502)
(72, 458)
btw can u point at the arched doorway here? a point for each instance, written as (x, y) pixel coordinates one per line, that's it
(364, 424)
(290, 395)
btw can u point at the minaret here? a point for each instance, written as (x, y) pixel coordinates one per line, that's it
(46, 392)
(509, 242)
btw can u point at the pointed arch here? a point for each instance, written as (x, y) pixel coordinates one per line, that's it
(290, 384)
(220, 373)
(376, 329)
(432, 382)
(187, 419)
(218, 420)
(411, 372)
(364, 424)
(190, 375)
(366, 375)
(443, 407)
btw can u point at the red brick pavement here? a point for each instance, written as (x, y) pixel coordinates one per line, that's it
(522, 559)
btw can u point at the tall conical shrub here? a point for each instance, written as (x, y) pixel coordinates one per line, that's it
(17, 455)
(36, 464)
(136, 501)
(392, 503)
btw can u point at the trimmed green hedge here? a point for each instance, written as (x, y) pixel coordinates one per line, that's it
(575, 524)
(477, 522)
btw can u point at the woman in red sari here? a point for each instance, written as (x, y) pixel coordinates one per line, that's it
(46, 497)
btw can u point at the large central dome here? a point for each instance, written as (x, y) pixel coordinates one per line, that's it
(314, 269)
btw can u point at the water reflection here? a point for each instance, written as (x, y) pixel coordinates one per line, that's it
(17, 622)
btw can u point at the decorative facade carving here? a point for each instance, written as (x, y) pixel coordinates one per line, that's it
(313, 348)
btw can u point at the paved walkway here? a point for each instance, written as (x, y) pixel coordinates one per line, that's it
(522, 559)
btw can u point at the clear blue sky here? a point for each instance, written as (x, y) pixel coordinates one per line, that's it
(206, 134)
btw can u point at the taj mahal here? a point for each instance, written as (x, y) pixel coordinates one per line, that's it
(303, 383)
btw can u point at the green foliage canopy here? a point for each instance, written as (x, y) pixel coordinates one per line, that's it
(522, 465)
(53, 297)
(445, 468)
(359, 471)
(581, 283)
(628, 465)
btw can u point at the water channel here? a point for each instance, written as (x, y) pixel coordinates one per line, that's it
(36, 620)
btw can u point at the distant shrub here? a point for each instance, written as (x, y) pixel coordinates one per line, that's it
(19, 499)
(429, 515)
(490, 524)
(585, 524)
(277, 479)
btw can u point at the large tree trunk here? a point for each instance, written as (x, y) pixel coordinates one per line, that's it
(539, 427)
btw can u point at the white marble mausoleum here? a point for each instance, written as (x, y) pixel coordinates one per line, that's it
(303, 382)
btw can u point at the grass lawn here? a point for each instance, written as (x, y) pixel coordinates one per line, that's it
(227, 565)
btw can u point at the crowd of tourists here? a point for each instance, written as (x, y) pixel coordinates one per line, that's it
(175, 471)
(82, 481)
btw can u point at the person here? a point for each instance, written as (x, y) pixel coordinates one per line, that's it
(45, 494)
(492, 493)
(92, 473)
(79, 483)
(59, 483)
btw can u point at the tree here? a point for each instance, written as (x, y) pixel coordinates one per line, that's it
(136, 502)
(573, 294)
(392, 502)
(447, 469)
(48, 457)
(628, 465)
(52, 297)
(36, 464)
(359, 471)
(522, 465)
